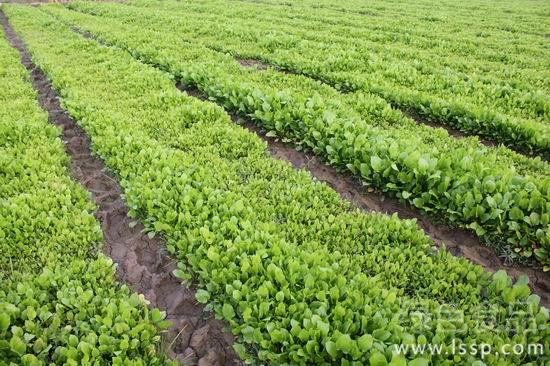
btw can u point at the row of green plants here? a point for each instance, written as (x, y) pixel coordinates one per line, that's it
(399, 40)
(300, 276)
(59, 301)
(458, 36)
(509, 106)
(166, 22)
(500, 195)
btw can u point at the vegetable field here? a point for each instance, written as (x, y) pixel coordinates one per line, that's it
(434, 109)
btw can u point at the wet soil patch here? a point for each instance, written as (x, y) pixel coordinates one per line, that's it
(254, 63)
(84, 34)
(261, 66)
(195, 337)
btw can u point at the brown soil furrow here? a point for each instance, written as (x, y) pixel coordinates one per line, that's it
(453, 132)
(142, 263)
(459, 242)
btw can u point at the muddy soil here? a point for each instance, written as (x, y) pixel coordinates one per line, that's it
(253, 63)
(457, 241)
(195, 337)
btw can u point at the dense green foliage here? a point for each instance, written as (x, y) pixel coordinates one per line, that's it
(39, 204)
(76, 315)
(59, 302)
(300, 276)
(501, 195)
(491, 79)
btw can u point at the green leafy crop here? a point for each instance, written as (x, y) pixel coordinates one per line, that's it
(59, 302)
(492, 85)
(76, 315)
(501, 195)
(299, 276)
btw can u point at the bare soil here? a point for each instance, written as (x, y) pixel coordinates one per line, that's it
(253, 63)
(195, 337)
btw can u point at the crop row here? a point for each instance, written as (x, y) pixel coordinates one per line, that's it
(300, 276)
(59, 302)
(466, 183)
(420, 41)
(507, 102)
(459, 35)
(163, 21)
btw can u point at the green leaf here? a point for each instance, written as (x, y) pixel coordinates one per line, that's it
(228, 312)
(376, 163)
(377, 359)
(240, 350)
(323, 327)
(365, 342)
(17, 345)
(331, 349)
(38, 345)
(4, 321)
(344, 343)
(31, 313)
(516, 214)
(73, 340)
(181, 274)
(423, 165)
(202, 296)
(157, 315)
(398, 360)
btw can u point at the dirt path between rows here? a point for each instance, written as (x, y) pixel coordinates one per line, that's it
(195, 337)
(453, 132)
(459, 242)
